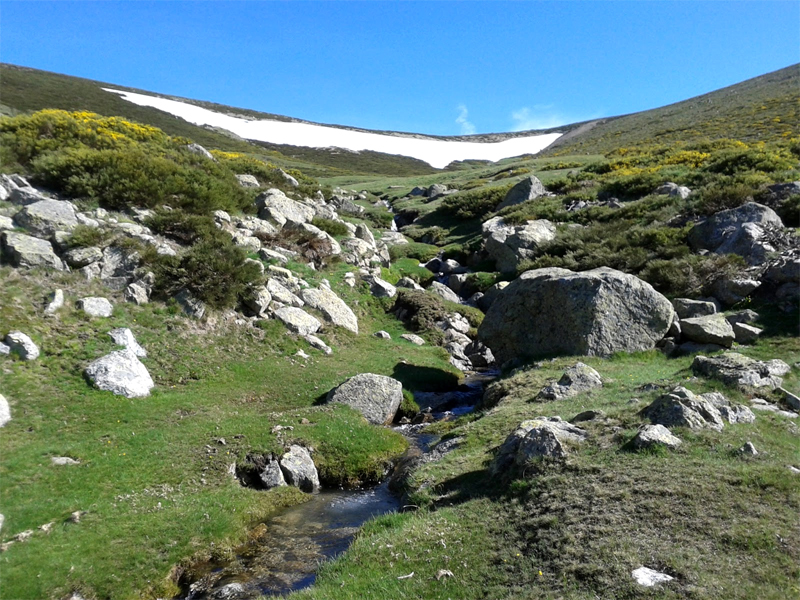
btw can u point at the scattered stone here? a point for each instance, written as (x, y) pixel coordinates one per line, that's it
(749, 449)
(80, 257)
(5, 412)
(746, 334)
(62, 461)
(45, 217)
(302, 354)
(332, 307)
(413, 338)
(650, 436)
(275, 207)
(559, 312)
(5, 350)
(318, 344)
(75, 517)
(746, 316)
(733, 368)
(577, 379)
(95, 307)
(380, 288)
(444, 292)
(24, 251)
(298, 320)
(687, 308)
(588, 415)
(682, 408)
(124, 337)
(299, 470)
(282, 294)
(258, 300)
(407, 282)
(22, 345)
(137, 293)
(377, 397)
(246, 181)
(673, 189)
(383, 335)
(790, 398)
(649, 578)
(762, 405)
(508, 245)
(710, 329)
(229, 591)
(120, 373)
(529, 188)
(56, 302)
(200, 151)
(479, 355)
(730, 291)
(119, 263)
(191, 306)
(23, 536)
(6, 223)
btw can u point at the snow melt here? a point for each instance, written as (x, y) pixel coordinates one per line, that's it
(437, 152)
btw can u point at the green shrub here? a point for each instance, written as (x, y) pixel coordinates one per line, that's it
(379, 217)
(789, 211)
(416, 250)
(691, 275)
(474, 204)
(716, 198)
(631, 187)
(185, 228)
(84, 236)
(408, 406)
(335, 228)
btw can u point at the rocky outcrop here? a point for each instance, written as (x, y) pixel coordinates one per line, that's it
(529, 188)
(275, 207)
(682, 408)
(508, 245)
(559, 312)
(299, 470)
(736, 369)
(24, 251)
(377, 397)
(578, 379)
(298, 320)
(120, 373)
(22, 345)
(737, 231)
(331, 306)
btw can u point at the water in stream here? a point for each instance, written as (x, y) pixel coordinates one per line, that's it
(288, 552)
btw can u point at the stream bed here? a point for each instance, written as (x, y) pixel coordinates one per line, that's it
(286, 551)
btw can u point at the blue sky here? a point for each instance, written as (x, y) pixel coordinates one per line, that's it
(441, 68)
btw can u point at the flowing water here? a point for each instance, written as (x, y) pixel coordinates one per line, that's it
(288, 548)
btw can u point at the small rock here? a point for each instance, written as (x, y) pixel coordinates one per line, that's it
(414, 339)
(298, 321)
(649, 578)
(22, 345)
(120, 373)
(650, 436)
(62, 461)
(299, 469)
(302, 354)
(733, 368)
(272, 475)
(56, 302)
(710, 329)
(5, 411)
(75, 517)
(444, 292)
(687, 308)
(124, 337)
(191, 306)
(575, 380)
(748, 449)
(23, 536)
(588, 415)
(383, 335)
(95, 307)
(377, 397)
(137, 293)
(746, 334)
(318, 344)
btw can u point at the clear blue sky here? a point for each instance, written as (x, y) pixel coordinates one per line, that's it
(431, 67)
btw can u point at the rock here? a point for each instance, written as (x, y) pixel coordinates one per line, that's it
(123, 336)
(694, 348)
(546, 437)
(191, 306)
(687, 308)
(45, 217)
(711, 329)
(268, 254)
(454, 321)
(332, 307)
(559, 312)
(380, 288)
(200, 151)
(382, 334)
(363, 233)
(24, 251)
(5, 350)
(95, 307)
(282, 294)
(377, 397)
(318, 344)
(673, 189)
(63, 461)
(588, 415)
(137, 294)
(5, 411)
(456, 282)
(299, 469)
(785, 269)
(743, 316)
(730, 291)
(746, 334)
(119, 262)
(298, 320)
(272, 475)
(790, 398)
(479, 355)
(120, 373)
(407, 282)
(737, 230)
(748, 449)
(733, 368)
(529, 188)
(56, 301)
(22, 345)
(393, 238)
(229, 591)
(6, 223)
(25, 195)
(682, 408)
(435, 190)
(413, 338)
(491, 294)
(80, 257)
(650, 436)
(509, 245)
(288, 178)
(648, 577)
(577, 379)
(246, 181)
(444, 292)
(275, 207)
(258, 300)
(762, 405)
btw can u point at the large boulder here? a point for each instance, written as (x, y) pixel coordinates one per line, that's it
(682, 408)
(298, 320)
(330, 305)
(736, 369)
(508, 245)
(558, 312)
(444, 292)
(299, 469)
(25, 251)
(529, 188)
(377, 397)
(45, 217)
(274, 206)
(120, 373)
(737, 230)
(577, 379)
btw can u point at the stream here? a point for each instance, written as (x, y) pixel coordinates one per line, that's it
(288, 548)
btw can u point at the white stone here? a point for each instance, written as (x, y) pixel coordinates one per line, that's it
(120, 373)
(23, 345)
(5, 411)
(649, 577)
(95, 307)
(124, 337)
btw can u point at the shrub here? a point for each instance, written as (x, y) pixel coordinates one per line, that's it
(84, 236)
(331, 227)
(416, 250)
(408, 406)
(474, 204)
(713, 199)
(379, 217)
(631, 187)
(691, 275)
(184, 227)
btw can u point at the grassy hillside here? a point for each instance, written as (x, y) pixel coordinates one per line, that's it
(763, 108)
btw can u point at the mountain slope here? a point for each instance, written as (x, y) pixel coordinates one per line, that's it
(759, 109)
